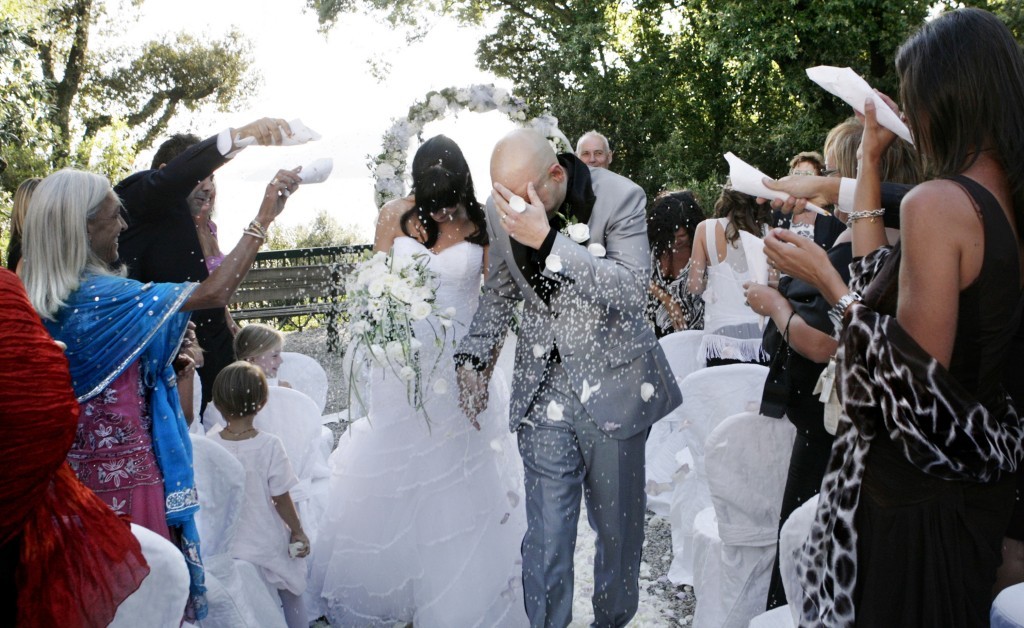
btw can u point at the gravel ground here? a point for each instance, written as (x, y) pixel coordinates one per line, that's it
(661, 602)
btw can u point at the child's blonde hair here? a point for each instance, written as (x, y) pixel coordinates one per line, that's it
(256, 339)
(240, 390)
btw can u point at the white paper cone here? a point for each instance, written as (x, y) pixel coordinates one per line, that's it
(316, 171)
(854, 90)
(747, 179)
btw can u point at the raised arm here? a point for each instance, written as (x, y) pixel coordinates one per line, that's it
(150, 194)
(217, 289)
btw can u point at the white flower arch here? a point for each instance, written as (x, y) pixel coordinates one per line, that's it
(389, 166)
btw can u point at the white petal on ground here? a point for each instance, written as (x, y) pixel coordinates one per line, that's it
(441, 386)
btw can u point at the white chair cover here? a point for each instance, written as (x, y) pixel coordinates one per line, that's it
(1008, 608)
(709, 396)
(235, 592)
(794, 532)
(295, 419)
(305, 375)
(160, 599)
(747, 462)
(682, 350)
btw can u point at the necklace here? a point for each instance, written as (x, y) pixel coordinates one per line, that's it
(251, 429)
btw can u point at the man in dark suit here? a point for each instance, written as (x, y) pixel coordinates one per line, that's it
(161, 243)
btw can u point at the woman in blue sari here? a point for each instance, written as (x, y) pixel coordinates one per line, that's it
(132, 445)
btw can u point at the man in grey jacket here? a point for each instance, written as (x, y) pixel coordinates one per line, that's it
(590, 377)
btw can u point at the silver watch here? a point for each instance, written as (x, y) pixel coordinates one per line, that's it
(836, 313)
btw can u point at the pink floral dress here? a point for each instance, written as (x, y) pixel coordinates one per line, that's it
(113, 452)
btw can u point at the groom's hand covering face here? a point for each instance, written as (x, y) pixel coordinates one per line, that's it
(529, 227)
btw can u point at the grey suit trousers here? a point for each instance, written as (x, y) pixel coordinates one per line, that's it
(562, 459)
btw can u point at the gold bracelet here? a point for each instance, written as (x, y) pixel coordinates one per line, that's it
(258, 228)
(254, 233)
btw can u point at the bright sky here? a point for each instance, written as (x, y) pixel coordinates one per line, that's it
(326, 82)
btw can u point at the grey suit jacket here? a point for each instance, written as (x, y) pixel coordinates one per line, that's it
(596, 317)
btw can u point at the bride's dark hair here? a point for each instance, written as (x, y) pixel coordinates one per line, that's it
(441, 179)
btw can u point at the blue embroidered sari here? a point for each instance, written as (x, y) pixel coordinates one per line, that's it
(108, 324)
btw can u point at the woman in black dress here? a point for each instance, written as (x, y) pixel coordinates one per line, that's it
(919, 488)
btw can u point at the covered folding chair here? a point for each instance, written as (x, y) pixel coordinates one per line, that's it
(305, 375)
(709, 396)
(681, 350)
(747, 461)
(160, 599)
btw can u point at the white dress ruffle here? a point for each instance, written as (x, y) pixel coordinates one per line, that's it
(425, 521)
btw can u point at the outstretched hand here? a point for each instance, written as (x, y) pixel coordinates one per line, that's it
(821, 191)
(266, 131)
(284, 183)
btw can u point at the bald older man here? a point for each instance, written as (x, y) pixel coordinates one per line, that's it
(589, 377)
(594, 150)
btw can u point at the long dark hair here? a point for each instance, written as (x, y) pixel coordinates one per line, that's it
(669, 212)
(440, 179)
(743, 212)
(962, 86)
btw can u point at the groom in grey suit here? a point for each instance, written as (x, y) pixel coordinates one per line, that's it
(589, 377)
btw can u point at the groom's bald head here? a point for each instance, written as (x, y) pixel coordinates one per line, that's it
(524, 156)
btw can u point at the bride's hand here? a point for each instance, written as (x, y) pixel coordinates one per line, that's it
(472, 393)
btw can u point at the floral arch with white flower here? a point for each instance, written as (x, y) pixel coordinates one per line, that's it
(389, 166)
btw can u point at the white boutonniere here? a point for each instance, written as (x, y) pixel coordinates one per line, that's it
(575, 230)
(578, 232)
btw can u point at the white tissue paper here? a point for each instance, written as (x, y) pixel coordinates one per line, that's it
(316, 171)
(300, 135)
(747, 179)
(854, 90)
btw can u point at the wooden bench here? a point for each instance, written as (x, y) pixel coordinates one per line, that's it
(298, 285)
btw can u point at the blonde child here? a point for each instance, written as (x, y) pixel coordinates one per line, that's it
(261, 345)
(269, 533)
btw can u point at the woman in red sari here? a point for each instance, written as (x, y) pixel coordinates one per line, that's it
(65, 558)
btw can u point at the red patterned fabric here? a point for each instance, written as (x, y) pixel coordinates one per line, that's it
(78, 560)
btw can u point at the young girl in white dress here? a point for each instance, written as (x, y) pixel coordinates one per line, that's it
(269, 532)
(425, 522)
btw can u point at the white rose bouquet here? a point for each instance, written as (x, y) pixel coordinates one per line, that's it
(384, 296)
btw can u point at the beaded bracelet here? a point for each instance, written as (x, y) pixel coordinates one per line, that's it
(872, 214)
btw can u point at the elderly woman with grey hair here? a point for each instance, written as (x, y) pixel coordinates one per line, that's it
(132, 446)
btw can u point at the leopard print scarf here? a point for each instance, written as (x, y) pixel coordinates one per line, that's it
(889, 383)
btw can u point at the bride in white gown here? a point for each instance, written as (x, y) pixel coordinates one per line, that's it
(424, 522)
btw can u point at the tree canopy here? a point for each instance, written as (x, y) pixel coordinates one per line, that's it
(74, 97)
(674, 84)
